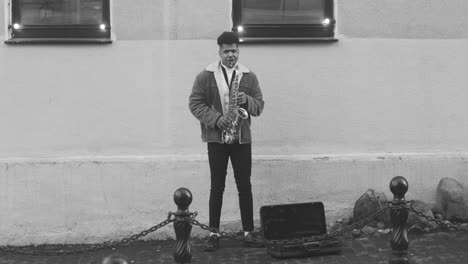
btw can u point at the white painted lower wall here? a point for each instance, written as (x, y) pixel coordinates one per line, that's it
(93, 199)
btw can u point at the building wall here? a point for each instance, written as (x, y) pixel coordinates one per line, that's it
(403, 19)
(131, 97)
(169, 19)
(204, 19)
(100, 136)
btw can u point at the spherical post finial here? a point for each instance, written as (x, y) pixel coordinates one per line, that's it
(182, 227)
(399, 187)
(399, 217)
(183, 198)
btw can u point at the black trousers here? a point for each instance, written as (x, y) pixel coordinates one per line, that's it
(241, 161)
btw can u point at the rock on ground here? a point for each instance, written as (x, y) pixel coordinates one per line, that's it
(369, 203)
(452, 200)
(415, 220)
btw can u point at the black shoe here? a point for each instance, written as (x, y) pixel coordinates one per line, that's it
(248, 243)
(212, 244)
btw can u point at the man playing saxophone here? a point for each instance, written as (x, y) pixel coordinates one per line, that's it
(224, 97)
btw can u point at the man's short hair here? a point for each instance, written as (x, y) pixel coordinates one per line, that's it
(228, 37)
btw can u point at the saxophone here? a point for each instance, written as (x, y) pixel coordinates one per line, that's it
(231, 133)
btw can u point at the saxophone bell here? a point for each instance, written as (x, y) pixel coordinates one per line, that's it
(242, 113)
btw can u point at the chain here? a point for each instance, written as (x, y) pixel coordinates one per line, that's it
(93, 248)
(402, 205)
(457, 227)
(190, 218)
(296, 241)
(360, 223)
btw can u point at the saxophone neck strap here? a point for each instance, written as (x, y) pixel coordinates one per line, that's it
(226, 77)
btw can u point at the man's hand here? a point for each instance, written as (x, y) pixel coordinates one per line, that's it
(222, 123)
(241, 98)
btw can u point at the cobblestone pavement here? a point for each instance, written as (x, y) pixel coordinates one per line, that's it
(436, 248)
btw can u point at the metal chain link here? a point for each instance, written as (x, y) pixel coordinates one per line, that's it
(93, 248)
(295, 241)
(457, 227)
(191, 219)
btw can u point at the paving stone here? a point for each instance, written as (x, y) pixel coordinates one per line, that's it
(435, 248)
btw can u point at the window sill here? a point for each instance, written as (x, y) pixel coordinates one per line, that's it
(59, 41)
(281, 40)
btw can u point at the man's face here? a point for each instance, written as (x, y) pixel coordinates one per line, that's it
(229, 53)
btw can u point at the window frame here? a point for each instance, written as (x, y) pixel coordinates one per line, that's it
(66, 33)
(284, 31)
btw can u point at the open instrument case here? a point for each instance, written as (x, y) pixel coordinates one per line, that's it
(295, 221)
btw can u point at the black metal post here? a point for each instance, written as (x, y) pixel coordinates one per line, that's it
(182, 251)
(399, 216)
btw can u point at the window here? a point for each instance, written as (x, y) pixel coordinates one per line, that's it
(59, 21)
(283, 19)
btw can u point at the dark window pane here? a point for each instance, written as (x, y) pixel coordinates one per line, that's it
(61, 12)
(283, 11)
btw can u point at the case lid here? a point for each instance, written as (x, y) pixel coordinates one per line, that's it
(293, 220)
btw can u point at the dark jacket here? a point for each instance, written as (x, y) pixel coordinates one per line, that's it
(205, 102)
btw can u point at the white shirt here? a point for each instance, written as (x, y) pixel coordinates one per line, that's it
(229, 71)
(225, 94)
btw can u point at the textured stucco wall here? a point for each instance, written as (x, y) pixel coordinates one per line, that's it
(163, 19)
(131, 97)
(186, 19)
(171, 19)
(204, 19)
(403, 19)
(3, 17)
